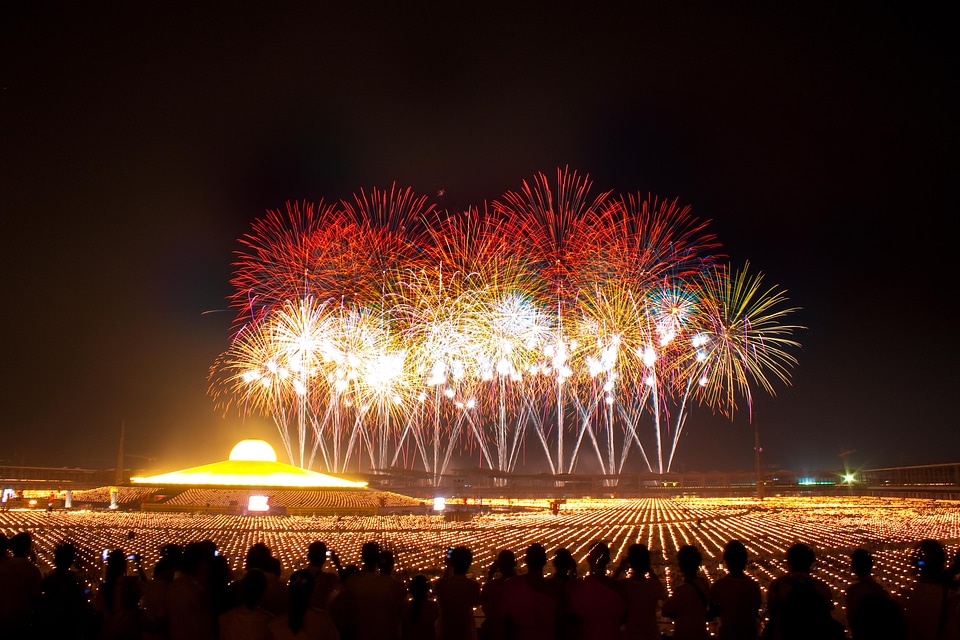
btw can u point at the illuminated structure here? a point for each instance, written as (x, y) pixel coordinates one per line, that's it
(252, 463)
(383, 333)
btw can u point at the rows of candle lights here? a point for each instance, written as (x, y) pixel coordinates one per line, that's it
(834, 527)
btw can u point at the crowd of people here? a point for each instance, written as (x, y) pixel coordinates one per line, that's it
(191, 594)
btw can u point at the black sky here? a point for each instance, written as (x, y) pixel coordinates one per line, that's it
(138, 142)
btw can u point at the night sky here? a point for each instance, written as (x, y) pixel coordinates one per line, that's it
(138, 143)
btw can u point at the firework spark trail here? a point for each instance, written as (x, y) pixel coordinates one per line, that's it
(384, 324)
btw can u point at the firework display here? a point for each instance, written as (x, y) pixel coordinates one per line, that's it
(382, 332)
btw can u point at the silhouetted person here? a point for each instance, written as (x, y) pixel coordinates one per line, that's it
(564, 572)
(248, 620)
(926, 606)
(218, 578)
(798, 605)
(192, 616)
(155, 598)
(386, 563)
(503, 568)
(688, 605)
(564, 566)
(420, 612)
(951, 578)
(301, 622)
(457, 596)
(531, 603)
(871, 612)
(324, 582)
(735, 599)
(369, 605)
(19, 587)
(952, 573)
(260, 557)
(644, 592)
(597, 605)
(64, 611)
(385, 566)
(118, 601)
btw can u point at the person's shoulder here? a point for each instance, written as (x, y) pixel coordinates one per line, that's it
(442, 584)
(860, 587)
(925, 590)
(280, 627)
(326, 576)
(822, 587)
(493, 584)
(398, 588)
(24, 565)
(574, 585)
(362, 578)
(513, 583)
(60, 577)
(647, 584)
(722, 583)
(741, 581)
(457, 583)
(778, 585)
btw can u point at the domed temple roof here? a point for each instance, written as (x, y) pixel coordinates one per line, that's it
(252, 463)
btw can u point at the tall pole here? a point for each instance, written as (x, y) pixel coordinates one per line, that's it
(118, 479)
(756, 457)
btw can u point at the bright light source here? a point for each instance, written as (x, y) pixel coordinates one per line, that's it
(253, 450)
(849, 477)
(258, 503)
(439, 504)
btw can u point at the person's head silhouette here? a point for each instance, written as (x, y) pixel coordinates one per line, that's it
(254, 585)
(317, 553)
(460, 560)
(861, 562)
(929, 558)
(385, 563)
(639, 558)
(689, 559)
(563, 563)
(370, 555)
(506, 562)
(20, 544)
(419, 587)
(800, 558)
(258, 557)
(599, 558)
(535, 558)
(735, 556)
(299, 588)
(64, 555)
